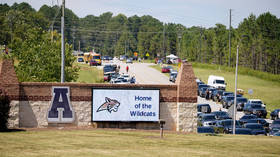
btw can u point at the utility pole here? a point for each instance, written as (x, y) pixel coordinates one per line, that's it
(200, 44)
(163, 43)
(229, 37)
(79, 46)
(62, 41)
(235, 91)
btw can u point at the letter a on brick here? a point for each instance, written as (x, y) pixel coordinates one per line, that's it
(60, 110)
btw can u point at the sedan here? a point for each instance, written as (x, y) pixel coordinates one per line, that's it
(257, 129)
(205, 129)
(165, 70)
(275, 114)
(129, 60)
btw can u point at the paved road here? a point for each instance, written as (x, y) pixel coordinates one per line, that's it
(143, 73)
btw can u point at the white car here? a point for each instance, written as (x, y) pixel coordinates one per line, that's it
(256, 101)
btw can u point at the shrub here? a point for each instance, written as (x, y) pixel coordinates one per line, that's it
(4, 112)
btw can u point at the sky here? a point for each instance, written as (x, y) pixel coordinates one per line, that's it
(205, 13)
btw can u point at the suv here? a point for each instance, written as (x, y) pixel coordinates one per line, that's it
(256, 101)
(240, 102)
(255, 109)
(201, 86)
(257, 129)
(209, 91)
(275, 114)
(225, 126)
(220, 115)
(244, 119)
(203, 108)
(216, 94)
(225, 101)
(206, 120)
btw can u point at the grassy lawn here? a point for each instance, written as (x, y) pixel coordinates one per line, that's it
(267, 91)
(103, 143)
(88, 74)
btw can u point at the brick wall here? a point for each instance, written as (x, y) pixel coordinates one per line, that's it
(32, 99)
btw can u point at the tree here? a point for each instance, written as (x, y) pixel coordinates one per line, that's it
(39, 58)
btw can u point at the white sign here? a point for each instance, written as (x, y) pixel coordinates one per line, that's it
(125, 105)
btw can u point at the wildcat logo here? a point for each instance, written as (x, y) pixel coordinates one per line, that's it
(109, 105)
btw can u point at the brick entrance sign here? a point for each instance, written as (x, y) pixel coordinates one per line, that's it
(45, 104)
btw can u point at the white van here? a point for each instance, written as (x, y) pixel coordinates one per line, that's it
(217, 82)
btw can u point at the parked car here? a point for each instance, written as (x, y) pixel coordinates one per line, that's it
(225, 94)
(202, 92)
(274, 127)
(275, 124)
(255, 109)
(257, 129)
(261, 121)
(203, 108)
(107, 76)
(242, 131)
(275, 114)
(256, 101)
(206, 120)
(220, 115)
(225, 126)
(209, 91)
(245, 118)
(173, 76)
(129, 60)
(165, 70)
(216, 94)
(205, 129)
(226, 101)
(200, 87)
(240, 102)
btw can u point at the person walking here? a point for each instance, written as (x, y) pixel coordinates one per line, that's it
(127, 68)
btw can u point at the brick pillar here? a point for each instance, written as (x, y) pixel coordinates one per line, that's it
(186, 99)
(9, 86)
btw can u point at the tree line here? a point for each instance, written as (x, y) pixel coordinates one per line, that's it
(258, 37)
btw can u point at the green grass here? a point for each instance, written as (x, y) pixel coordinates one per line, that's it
(88, 74)
(104, 143)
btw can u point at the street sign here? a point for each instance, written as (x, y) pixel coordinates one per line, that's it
(147, 54)
(250, 91)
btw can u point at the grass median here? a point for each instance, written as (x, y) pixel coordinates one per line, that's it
(107, 142)
(89, 74)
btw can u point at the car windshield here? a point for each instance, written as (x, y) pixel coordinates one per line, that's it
(230, 98)
(248, 117)
(227, 123)
(209, 117)
(220, 81)
(257, 102)
(256, 106)
(96, 57)
(221, 113)
(242, 100)
(254, 126)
